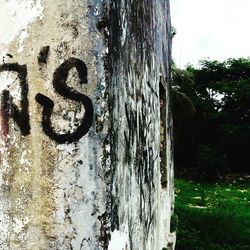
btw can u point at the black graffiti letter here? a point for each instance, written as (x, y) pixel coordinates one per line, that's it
(59, 83)
(21, 117)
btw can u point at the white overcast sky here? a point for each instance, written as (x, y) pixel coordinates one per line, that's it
(215, 29)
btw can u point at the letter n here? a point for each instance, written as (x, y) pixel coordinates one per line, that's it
(9, 109)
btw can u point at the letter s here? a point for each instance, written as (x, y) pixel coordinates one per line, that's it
(59, 83)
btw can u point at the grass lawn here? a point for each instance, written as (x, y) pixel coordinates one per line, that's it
(213, 216)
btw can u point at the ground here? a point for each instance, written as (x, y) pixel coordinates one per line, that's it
(213, 216)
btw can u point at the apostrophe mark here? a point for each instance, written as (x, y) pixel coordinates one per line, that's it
(43, 55)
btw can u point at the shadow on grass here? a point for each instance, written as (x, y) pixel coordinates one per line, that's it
(212, 217)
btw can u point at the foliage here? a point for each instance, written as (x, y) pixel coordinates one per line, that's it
(182, 105)
(213, 216)
(217, 138)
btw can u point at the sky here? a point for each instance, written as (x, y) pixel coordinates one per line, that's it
(214, 29)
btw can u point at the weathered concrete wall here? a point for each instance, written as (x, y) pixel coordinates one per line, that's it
(141, 186)
(81, 149)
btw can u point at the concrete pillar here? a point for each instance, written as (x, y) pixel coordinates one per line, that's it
(85, 130)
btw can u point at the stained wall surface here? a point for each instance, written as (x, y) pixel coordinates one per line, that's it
(84, 127)
(141, 134)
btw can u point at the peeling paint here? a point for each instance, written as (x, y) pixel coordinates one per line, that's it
(16, 15)
(119, 239)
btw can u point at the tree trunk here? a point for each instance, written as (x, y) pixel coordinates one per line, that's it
(85, 125)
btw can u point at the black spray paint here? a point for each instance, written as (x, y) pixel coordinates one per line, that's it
(20, 116)
(59, 83)
(43, 55)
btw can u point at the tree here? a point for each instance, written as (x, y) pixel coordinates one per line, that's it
(182, 90)
(221, 127)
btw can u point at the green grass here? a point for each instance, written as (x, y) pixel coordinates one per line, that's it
(212, 217)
